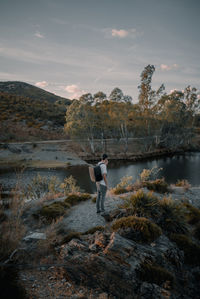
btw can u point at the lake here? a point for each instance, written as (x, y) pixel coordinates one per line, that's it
(185, 166)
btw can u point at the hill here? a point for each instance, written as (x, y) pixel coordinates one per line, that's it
(27, 119)
(30, 91)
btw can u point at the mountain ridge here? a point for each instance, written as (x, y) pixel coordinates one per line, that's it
(24, 89)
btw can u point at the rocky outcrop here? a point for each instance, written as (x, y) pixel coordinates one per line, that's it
(115, 265)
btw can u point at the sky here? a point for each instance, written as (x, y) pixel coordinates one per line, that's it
(72, 47)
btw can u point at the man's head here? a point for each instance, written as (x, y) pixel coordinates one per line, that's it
(105, 158)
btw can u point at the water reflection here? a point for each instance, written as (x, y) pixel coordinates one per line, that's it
(177, 167)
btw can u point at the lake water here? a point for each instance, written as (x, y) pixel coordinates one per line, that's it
(185, 166)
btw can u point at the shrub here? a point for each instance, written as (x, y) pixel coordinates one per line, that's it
(142, 204)
(191, 250)
(154, 274)
(136, 228)
(94, 229)
(148, 174)
(172, 216)
(123, 184)
(75, 198)
(192, 214)
(54, 210)
(183, 183)
(94, 199)
(158, 185)
(70, 236)
(69, 185)
(197, 231)
(119, 190)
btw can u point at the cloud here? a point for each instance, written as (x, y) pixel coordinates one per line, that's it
(41, 84)
(38, 34)
(119, 33)
(74, 90)
(165, 67)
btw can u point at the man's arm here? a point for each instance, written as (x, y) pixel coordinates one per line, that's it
(105, 179)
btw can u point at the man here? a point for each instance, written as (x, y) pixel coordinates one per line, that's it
(102, 186)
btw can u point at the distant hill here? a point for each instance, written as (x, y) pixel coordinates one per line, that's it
(30, 91)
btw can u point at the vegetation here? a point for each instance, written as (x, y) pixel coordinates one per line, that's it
(94, 229)
(169, 117)
(192, 213)
(159, 185)
(141, 229)
(54, 210)
(183, 183)
(123, 185)
(191, 250)
(153, 273)
(142, 204)
(172, 216)
(75, 198)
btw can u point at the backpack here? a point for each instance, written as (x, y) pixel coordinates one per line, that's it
(95, 173)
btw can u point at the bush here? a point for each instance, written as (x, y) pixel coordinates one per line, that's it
(94, 229)
(123, 184)
(154, 274)
(70, 236)
(69, 186)
(136, 228)
(119, 190)
(75, 198)
(183, 183)
(172, 216)
(54, 210)
(191, 250)
(197, 231)
(149, 174)
(142, 204)
(158, 185)
(192, 214)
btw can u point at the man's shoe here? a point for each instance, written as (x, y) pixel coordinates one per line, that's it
(98, 212)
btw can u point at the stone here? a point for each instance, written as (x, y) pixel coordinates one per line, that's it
(36, 235)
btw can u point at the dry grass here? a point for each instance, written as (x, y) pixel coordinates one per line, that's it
(139, 228)
(183, 183)
(12, 228)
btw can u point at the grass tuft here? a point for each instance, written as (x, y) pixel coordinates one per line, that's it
(191, 250)
(154, 274)
(137, 228)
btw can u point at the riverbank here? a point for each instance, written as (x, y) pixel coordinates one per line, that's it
(57, 154)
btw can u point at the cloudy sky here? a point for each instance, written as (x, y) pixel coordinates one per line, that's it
(70, 47)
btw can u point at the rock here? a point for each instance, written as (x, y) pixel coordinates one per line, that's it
(152, 291)
(36, 235)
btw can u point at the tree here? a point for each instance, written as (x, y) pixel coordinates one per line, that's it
(146, 95)
(99, 97)
(116, 95)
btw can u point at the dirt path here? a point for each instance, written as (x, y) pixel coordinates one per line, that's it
(83, 216)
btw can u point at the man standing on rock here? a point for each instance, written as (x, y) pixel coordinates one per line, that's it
(102, 186)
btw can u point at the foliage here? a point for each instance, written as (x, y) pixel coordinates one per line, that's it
(75, 198)
(191, 250)
(172, 216)
(71, 235)
(153, 273)
(192, 213)
(54, 210)
(197, 231)
(149, 174)
(69, 185)
(123, 184)
(141, 229)
(159, 185)
(183, 183)
(142, 204)
(12, 228)
(94, 229)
